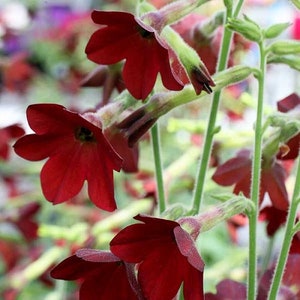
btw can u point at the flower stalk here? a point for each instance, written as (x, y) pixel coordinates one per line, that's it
(222, 63)
(255, 178)
(289, 233)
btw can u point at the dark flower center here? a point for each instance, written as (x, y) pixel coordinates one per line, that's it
(84, 135)
(145, 33)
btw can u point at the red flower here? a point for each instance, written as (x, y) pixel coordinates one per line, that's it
(167, 257)
(228, 289)
(103, 274)
(290, 284)
(291, 149)
(23, 220)
(77, 151)
(119, 142)
(146, 55)
(17, 73)
(6, 134)
(274, 218)
(237, 171)
(108, 77)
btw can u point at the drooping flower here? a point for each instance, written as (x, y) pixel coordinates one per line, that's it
(145, 53)
(167, 257)
(103, 275)
(77, 151)
(237, 171)
(6, 134)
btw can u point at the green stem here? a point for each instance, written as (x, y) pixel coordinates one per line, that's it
(158, 167)
(289, 232)
(255, 178)
(222, 64)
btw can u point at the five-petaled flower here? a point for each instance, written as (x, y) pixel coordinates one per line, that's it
(103, 274)
(237, 171)
(77, 151)
(146, 54)
(167, 257)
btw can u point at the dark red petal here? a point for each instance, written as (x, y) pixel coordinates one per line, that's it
(187, 248)
(37, 147)
(228, 289)
(15, 130)
(108, 284)
(112, 44)
(50, 118)
(94, 255)
(135, 242)
(141, 68)
(169, 77)
(193, 284)
(73, 268)
(63, 175)
(161, 273)
(243, 185)
(99, 174)
(288, 103)
(112, 18)
(274, 182)
(273, 217)
(232, 170)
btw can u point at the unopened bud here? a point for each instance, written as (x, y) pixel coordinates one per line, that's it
(192, 63)
(208, 220)
(285, 47)
(247, 28)
(293, 61)
(232, 75)
(275, 30)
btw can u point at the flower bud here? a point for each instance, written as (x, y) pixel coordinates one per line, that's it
(285, 47)
(207, 220)
(275, 30)
(293, 61)
(232, 75)
(247, 28)
(192, 63)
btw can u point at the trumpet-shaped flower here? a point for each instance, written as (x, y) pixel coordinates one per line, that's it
(145, 53)
(77, 151)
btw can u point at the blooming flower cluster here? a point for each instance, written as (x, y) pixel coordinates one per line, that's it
(166, 57)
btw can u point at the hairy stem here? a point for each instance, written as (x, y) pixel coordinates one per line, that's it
(255, 178)
(158, 167)
(222, 64)
(289, 232)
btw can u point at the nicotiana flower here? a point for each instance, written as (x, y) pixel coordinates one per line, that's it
(145, 53)
(77, 151)
(237, 171)
(6, 134)
(104, 276)
(166, 255)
